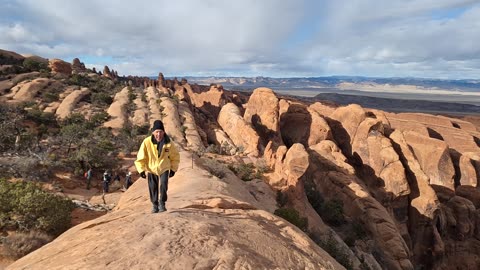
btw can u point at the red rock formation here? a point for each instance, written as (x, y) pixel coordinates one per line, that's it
(434, 158)
(60, 66)
(239, 131)
(161, 80)
(107, 73)
(262, 113)
(78, 66)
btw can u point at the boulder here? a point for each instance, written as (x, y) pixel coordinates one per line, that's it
(406, 125)
(322, 109)
(211, 100)
(299, 124)
(29, 90)
(153, 100)
(239, 131)
(434, 158)
(69, 102)
(424, 208)
(319, 129)
(7, 85)
(465, 217)
(194, 141)
(140, 116)
(118, 110)
(60, 66)
(262, 113)
(376, 153)
(219, 137)
(469, 165)
(171, 120)
(329, 150)
(344, 122)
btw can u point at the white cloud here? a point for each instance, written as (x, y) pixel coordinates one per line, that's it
(269, 38)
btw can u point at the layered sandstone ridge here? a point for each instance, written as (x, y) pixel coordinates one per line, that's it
(210, 224)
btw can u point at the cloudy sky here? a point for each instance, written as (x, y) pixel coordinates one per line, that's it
(277, 38)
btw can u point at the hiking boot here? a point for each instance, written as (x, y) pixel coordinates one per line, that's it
(162, 207)
(155, 209)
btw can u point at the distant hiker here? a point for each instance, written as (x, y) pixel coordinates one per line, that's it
(106, 181)
(88, 175)
(157, 157)
(128, 180)
(117, 178)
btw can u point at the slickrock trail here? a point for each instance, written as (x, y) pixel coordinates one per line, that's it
(210, 224)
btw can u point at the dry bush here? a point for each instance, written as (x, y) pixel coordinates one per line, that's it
(214, 167)
(20, 244)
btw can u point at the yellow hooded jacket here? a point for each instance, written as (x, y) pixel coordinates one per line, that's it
(148, 159)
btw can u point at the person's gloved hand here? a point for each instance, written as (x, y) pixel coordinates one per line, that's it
(142, 174)
(172, 173)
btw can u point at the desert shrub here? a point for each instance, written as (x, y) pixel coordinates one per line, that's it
(131, 96)
(332, 212)
(245, 171)
(101, 99)
(39, 117)
(98, 119)
(128, 139)
(103, 85)
(332, 247)
(97, 149)
(74, 118)
(11, 118)
(15, 69)
(50, 96)
(313, 195)
(21, 244)
(355, 231)
(23, 167)
(214, 167)
(27, 207)
(240, 149)
(261, 166)
(31, 64)
(226, 148)
(292, 216)
(212, 148)
(71, 135)
(79, 79)
(9, 60)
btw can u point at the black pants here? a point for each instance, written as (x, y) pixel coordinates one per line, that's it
(153, 187)
(105, 186)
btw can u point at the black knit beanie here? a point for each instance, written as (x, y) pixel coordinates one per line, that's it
(157, 125)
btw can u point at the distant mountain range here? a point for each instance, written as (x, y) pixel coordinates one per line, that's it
(341, 82)
(390, 94)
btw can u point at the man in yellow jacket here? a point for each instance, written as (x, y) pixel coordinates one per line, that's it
(157, 158)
